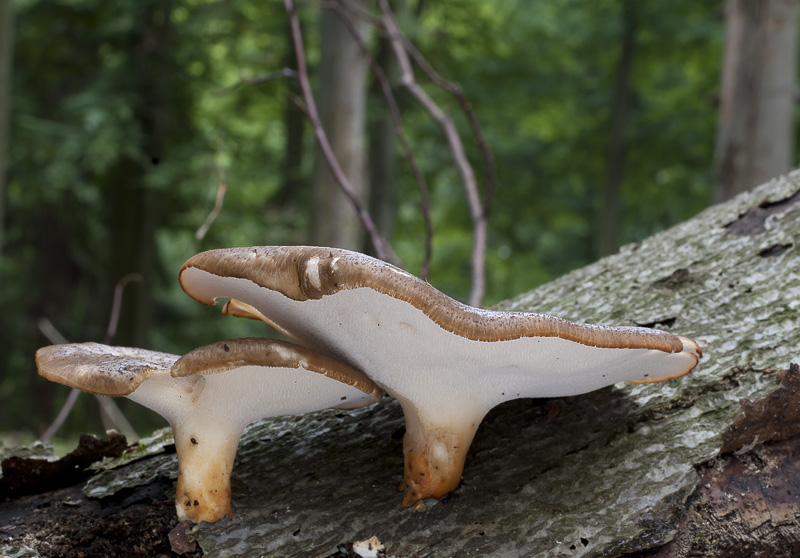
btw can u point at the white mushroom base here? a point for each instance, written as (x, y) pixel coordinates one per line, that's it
(435, 449)
(208, 414)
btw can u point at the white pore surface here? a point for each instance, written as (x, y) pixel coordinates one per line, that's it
(416, 360)
(242, 395)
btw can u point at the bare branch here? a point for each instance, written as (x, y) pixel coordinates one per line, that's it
(66, 408)
(354, 8)
(52, 334)
(116, 304)
(110, 411)
(299, 103)
(458, 93)
(221, 190)
(113, 417)
(408, 154)
(382, 248)
(456, 147)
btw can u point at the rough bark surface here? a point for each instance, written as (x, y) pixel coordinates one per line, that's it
(617, 472)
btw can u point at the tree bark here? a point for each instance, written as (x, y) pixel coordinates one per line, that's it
(755, 134)
(617, 472)
(755, 483)
(6, 58)
(342, 106)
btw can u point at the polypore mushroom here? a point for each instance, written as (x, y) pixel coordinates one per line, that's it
(208, 396)
(447, 363)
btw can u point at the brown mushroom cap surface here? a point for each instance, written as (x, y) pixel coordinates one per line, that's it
(101, 369)
(304, 273)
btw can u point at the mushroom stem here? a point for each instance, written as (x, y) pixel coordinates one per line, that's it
(435, 447)
(205, 440)
(205, 462)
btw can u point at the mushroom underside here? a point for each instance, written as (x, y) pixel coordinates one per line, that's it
(446, 382)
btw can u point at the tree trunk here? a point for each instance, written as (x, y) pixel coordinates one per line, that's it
(755, 134)
(6, 57)
(608, 239)
(135, 207)
(342, 106)
(617, 472)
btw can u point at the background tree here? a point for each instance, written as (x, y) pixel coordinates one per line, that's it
(6, 56)
(382, 151)
(608, 224)
(341, 98)
(755, 135)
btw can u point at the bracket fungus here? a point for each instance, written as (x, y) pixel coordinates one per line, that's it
(446, 363)
(208, 396)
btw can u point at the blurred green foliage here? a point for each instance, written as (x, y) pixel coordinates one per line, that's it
(126, 116)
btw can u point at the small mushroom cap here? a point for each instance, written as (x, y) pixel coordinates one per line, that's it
(101, 369)
(208, 396)
(270, 353)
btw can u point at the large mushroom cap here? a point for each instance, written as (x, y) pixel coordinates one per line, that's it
(447, 363)
(303, 273)
(101, 369)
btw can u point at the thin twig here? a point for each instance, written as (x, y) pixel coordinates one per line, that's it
(408, 154)
(47, 329)
(62, 415)
(116, 304)
(286, 73)
(113, 417)
(456, 147)
(382, 248)
(455, 90)
(299, 103)
(109, 409)
(354, 8)
(221, 190)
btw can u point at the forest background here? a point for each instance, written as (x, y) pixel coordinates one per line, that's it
(129, 124)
